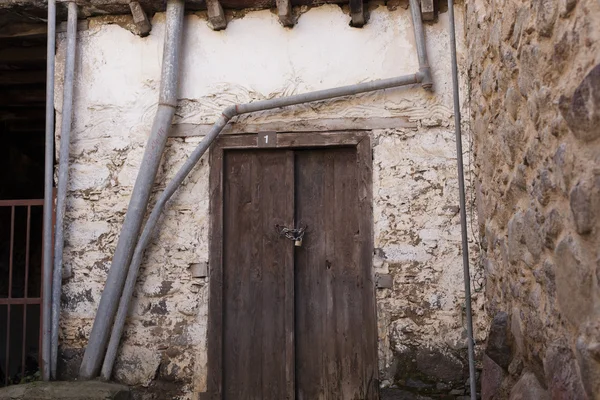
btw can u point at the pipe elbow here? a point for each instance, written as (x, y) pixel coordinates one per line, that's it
(230, 112)
(425, 78)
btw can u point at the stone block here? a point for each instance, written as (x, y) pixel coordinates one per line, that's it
(552, 227)
(580, 200)
(515, 237)
(528, 388)
(546, 11)
(532, 233)
(588, 356)
(582, 110)
(491, 379)
(512, 102)
(562, 378)
(520, 26)
(574, 283)
(565, 7)
(500, 342)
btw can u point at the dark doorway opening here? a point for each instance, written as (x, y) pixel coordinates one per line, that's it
(22, 138)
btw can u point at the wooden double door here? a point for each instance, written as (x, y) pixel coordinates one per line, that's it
(289, 321)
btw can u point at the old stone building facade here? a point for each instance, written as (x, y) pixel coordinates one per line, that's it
(529, 80)
(422, 343)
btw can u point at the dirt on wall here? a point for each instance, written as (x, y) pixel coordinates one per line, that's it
(535, 113)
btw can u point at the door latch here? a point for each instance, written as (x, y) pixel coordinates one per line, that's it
(295, 235)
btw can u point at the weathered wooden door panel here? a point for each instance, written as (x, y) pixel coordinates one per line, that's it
(258, 194)
(291, 322)
(335, 352)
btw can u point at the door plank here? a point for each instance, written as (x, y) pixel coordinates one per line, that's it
(258, 190)
(334, 357)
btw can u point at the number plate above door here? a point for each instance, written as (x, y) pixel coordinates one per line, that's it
(267, 139)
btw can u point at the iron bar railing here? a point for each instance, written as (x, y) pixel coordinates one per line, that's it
(21, 288)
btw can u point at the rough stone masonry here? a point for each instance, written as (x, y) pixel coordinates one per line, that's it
(535, 112)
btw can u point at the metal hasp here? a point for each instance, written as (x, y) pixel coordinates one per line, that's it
(103, 320)
(63, 180)
(141, 192)
(463, 208)
(48, 198)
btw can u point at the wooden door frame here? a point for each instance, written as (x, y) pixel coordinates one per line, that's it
(312, 140)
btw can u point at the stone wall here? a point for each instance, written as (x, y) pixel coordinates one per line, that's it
(535, 113)
(417, 229)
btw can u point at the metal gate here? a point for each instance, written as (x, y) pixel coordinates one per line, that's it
(21, 264)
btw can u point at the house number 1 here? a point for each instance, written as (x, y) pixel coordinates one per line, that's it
(267, 139)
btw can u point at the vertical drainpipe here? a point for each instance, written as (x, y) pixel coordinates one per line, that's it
(48, 198)
(463, 206)
(141, 193)
(415, 10)
(63, 179)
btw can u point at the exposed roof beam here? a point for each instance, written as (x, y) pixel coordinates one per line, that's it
(22, 77)
(216, 15)
(357, 13)
(140, 19)
(18, 55)
(23, 113)
(23, 97)
(284, 11)
(427, 10)
(33, 30)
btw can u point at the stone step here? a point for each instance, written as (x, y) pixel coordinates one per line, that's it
(85, 390)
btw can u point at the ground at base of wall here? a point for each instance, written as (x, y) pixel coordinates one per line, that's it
(88, 390)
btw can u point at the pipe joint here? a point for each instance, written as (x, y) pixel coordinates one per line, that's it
(425, 78)
(168, 104)
(230, 112)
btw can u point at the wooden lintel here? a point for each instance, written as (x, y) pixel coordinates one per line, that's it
(216, 16)
(140, 19)
(284, 11)
(427, 10)
(357, 13)
(309, 125)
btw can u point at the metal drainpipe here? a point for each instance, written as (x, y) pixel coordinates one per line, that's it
(463, 207)
(63, 179)
(415, 10)
(423, 77)
(48, 198)
(141, 192)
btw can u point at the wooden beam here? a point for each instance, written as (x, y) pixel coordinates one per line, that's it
(284, 11)
(357, 13)
(22, 77)
(23, 97)
(427, 10)
(140, 19)
(309, 125)
(23, 114)
(33, 30)
(216, 16)
(22, 55)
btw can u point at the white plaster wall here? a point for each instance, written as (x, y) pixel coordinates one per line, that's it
(415, 188)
